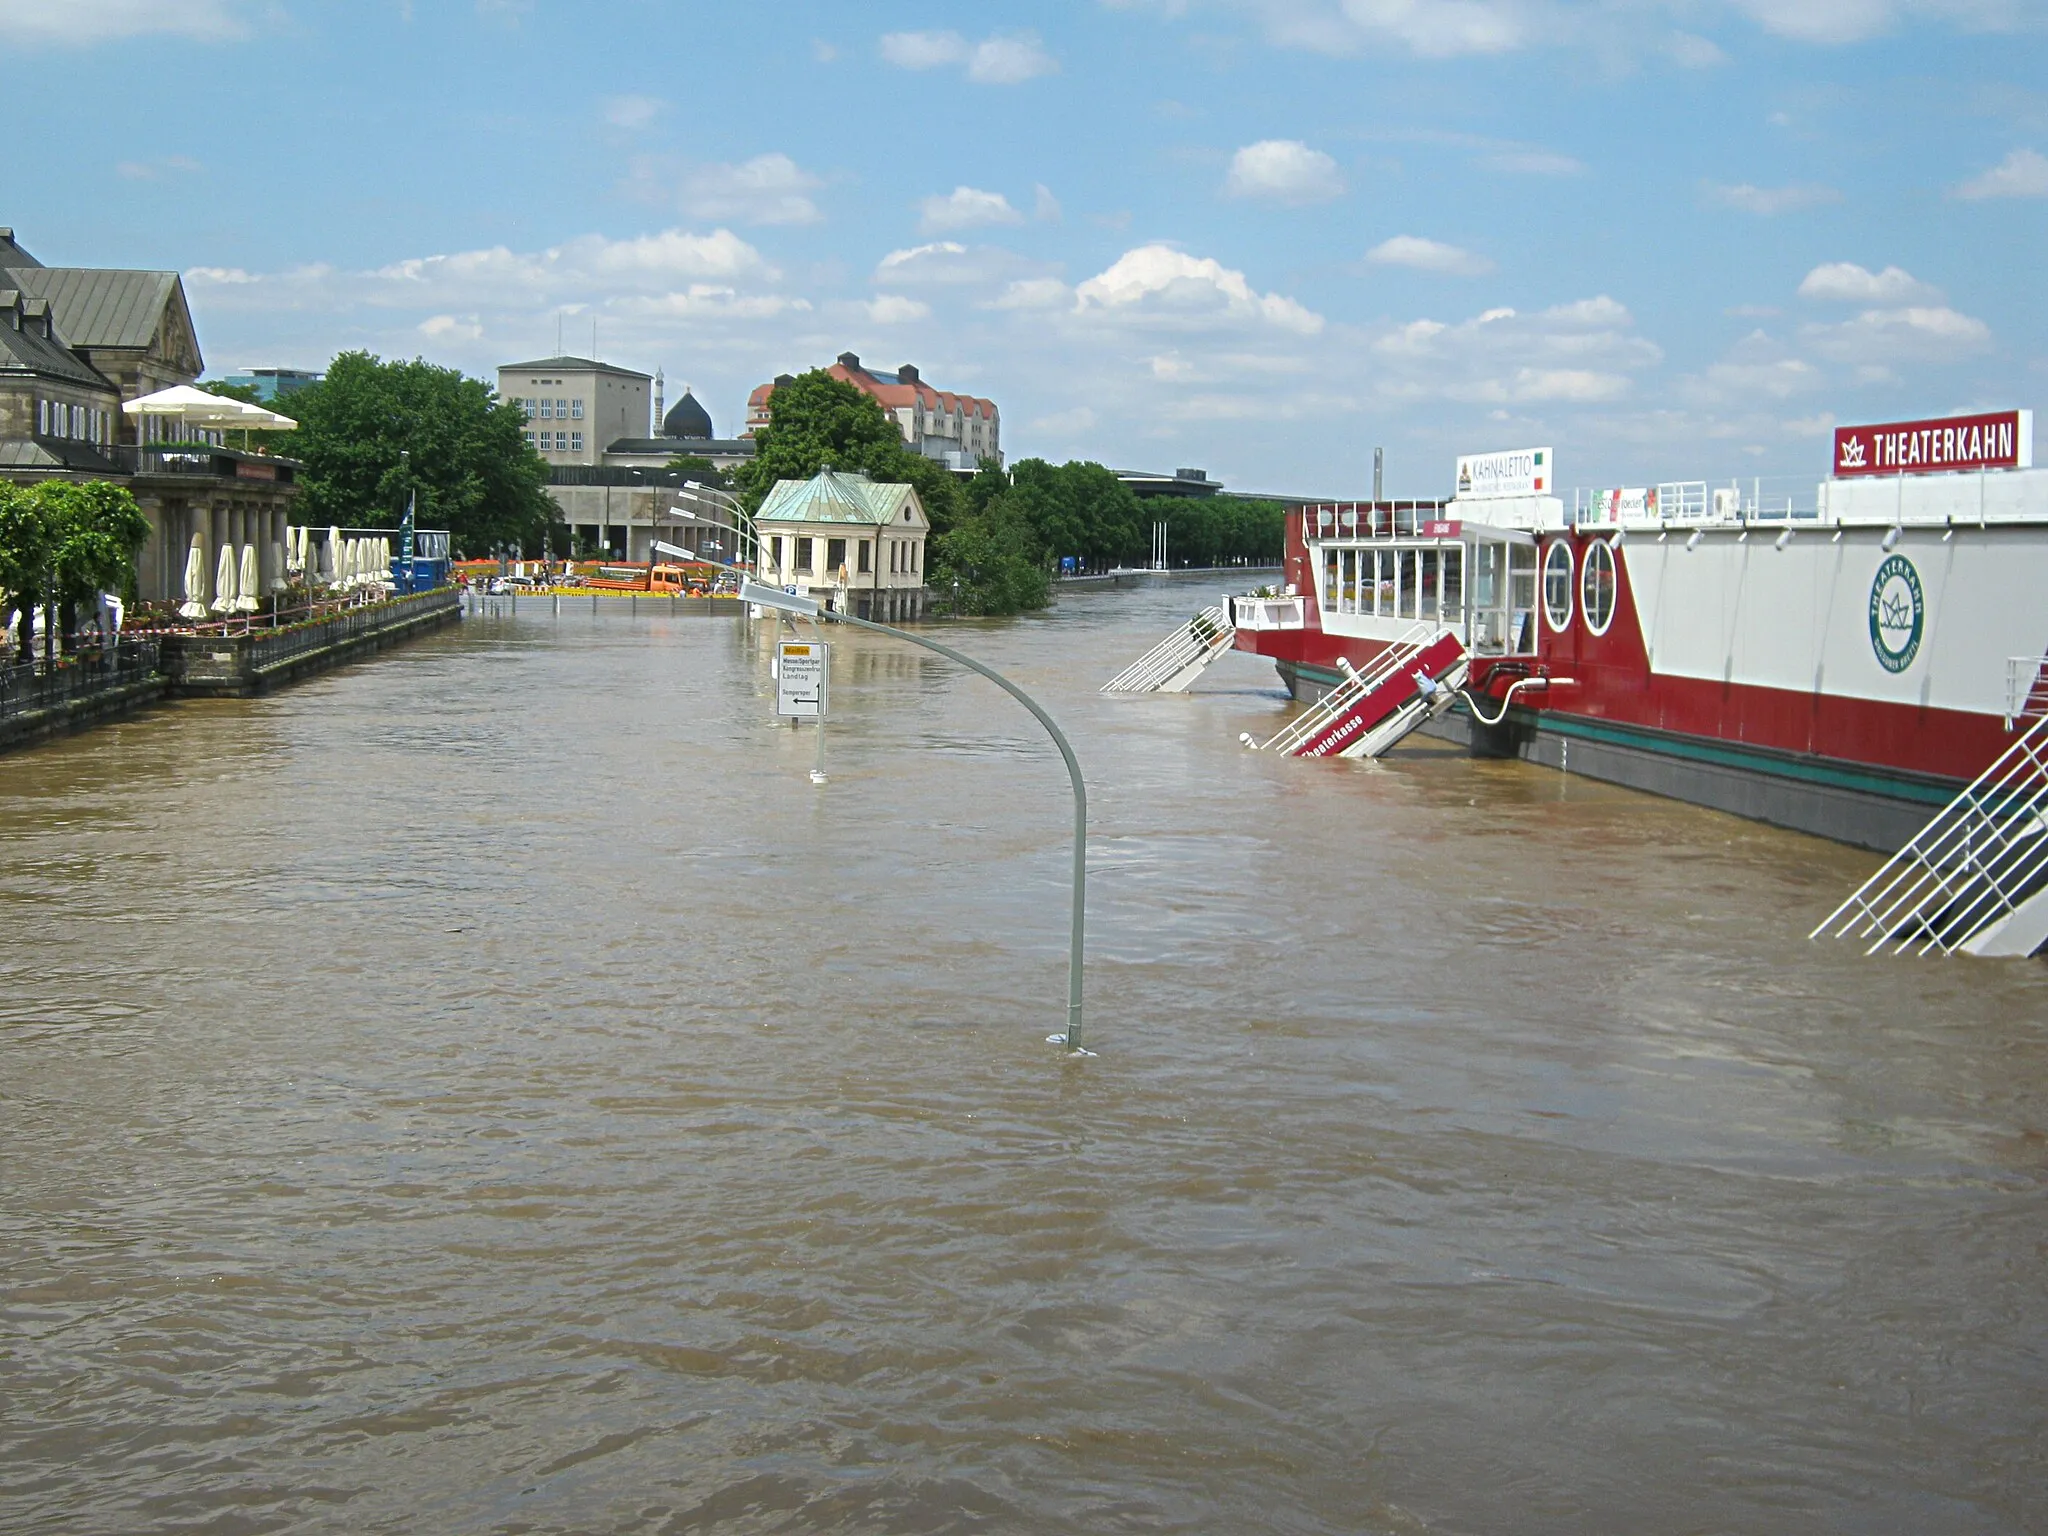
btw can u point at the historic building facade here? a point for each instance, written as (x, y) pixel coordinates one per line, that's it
(854, 544)
(958, 431)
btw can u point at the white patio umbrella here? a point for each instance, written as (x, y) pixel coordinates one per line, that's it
(194, 606)
(294, 549)
(224, 593)
(246, 600)
(335, 557)
(277, 564)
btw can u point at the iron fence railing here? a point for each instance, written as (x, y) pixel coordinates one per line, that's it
(29, 686)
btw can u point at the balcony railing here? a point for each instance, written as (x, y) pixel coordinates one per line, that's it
(205, 459)
(27, 686)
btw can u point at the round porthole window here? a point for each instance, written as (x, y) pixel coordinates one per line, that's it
(1557, 586)
(1596, 586)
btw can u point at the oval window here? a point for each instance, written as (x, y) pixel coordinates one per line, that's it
(1596, 586)
(1557, 586)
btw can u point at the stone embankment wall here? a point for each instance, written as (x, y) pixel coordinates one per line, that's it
(235, 666)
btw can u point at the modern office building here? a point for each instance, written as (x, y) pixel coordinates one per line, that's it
(273, 384)
(576, 407)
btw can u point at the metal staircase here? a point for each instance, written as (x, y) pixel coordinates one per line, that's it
(1975, 879)
(1175, 662)
(1410, 682)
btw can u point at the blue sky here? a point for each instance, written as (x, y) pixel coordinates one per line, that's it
(1676, 239)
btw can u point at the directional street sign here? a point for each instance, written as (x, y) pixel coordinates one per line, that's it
(800, 679)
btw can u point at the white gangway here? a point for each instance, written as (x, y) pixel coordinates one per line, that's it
(1174, 663)
(1974, 880)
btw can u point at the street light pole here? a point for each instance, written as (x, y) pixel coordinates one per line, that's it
(776, 598)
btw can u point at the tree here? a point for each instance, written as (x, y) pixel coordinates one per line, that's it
(694, 466)
(470, 463)
(817, 422)
(64, 541)
(991, 564)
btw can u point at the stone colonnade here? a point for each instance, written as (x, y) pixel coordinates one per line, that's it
(230, 514)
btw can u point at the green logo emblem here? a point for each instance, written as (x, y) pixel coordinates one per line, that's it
(1898, 614)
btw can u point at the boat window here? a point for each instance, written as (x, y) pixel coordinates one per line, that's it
(1557, 586)
(1452, 597)
(1431, 572)
(1596, 586)
(1348, 598)
(1330, 580)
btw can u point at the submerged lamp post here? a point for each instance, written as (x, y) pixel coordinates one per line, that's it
(784, 602)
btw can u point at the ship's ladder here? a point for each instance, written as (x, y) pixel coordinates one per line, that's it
(1174, 663)
(1413, 680)
(1975, 879)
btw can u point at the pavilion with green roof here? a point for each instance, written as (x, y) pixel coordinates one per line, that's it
(853, 543)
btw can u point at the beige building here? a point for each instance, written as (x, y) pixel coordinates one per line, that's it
(577, 407)
(853, 544)
(75, 343)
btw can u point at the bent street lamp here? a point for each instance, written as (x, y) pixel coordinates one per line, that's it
(784, 602)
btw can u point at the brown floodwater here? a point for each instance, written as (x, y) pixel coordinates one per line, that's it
(490, 1088)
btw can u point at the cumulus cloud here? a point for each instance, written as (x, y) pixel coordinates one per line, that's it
(1035, 293)
(1044, 206)
(1767, 201)
(768, 189)
(1688, 50)
(1158, 283)
(1428, 256)
(895, 309)
(2023, 173)
(1283, 171)
(83, 22)
(1438, 29)
(1846, 283)
(447, 327)
(949, 264)
(1914, 333)
(1585, 352)
(1000, 60)
(965, 208)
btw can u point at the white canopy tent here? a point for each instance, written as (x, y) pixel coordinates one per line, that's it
(197, 408)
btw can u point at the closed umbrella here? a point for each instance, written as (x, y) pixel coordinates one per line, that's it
(335, 574)
(194, 606)
(277, 564)
(246, 600)
(224, 581)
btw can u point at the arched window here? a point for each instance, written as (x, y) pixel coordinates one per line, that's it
(1596, 586)
(1557, 586)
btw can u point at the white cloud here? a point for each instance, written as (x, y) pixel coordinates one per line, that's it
(948, 263)
(1428, 256)
(993, 61)
(1585, 352)
(1767, 201)
(1845, 282)
(965, 208)
(1532, 162)
(1283, 171)
(1917, 333)
(633, 113)
(157, 170)
(1044, 206)
(1035, 293)
(895, 309)
(2023, 173)
(768, 189)
(83, 22)
(1822, 21)
(1157, 282)
(1432, 28)
(1688, 50)
(448, 327)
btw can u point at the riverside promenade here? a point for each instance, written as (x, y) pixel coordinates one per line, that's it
(38, 702)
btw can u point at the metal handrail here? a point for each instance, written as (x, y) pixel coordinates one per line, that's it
(1355, 687)
(1208, 631)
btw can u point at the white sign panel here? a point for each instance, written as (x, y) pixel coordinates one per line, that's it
(1629, 504)
(1516, 472)
(800, 679)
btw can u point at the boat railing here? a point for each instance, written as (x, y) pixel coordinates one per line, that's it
(1696, 502)
(1264, 613)
(2026, 689)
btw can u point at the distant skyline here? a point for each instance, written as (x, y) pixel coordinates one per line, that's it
(1676, 240)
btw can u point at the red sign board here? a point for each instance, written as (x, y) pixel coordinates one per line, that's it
(1449, 530)
(1995, 440)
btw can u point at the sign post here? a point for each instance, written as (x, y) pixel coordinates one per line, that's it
(783, 602)
(802, 678)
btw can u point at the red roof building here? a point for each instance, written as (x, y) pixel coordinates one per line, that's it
(958, 431)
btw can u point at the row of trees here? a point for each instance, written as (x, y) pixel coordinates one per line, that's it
(63, 542)
(998, 537)
(470, 465)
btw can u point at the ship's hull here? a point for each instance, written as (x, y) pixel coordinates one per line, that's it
(1843, 681)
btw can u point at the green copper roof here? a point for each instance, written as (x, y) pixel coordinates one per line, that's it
(832, 497)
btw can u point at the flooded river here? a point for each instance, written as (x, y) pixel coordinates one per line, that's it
(492, 1089)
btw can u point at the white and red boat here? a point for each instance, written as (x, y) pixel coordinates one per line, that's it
(1844, 663)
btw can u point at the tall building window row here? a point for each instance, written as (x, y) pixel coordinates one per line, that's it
(84, 423)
